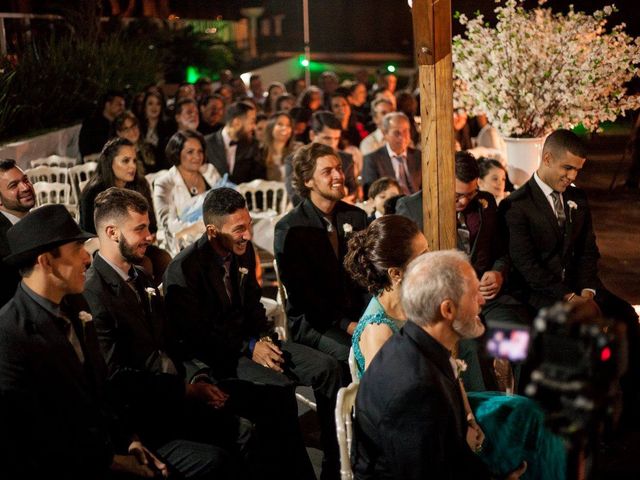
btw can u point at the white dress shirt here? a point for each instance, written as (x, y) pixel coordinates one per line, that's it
(230, 150)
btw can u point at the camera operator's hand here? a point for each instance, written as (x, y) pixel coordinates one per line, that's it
(585, 304)
(518, 472)
(490, 284)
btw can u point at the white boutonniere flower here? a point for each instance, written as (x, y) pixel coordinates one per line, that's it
(243, 273)
(85, 317)
(461, 366)
(572, 206)
(347, 228)
(483, 203)
(151, 292)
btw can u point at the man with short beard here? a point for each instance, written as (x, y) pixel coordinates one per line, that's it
(323, 303)
(17, 197)
(233, 150)
(411, 421)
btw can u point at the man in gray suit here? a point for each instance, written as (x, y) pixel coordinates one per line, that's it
(396, 159)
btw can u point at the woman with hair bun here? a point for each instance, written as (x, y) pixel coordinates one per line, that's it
(377, 259)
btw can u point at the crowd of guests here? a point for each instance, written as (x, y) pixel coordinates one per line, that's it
(104, 372)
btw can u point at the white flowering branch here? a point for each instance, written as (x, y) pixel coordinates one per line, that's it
(536, 70)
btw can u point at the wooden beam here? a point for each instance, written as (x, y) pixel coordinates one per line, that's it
(432, 41)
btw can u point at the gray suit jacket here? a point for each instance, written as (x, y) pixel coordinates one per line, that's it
(378, 164)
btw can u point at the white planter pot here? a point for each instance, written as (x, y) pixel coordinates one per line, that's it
(523, 158)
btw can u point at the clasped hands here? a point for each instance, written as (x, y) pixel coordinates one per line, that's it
(490, 284)
(207, 393)
(140, 461)
(267, 354)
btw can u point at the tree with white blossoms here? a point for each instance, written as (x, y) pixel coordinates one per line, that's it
(537, 71)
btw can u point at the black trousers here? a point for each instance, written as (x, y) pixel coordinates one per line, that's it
(309, 367)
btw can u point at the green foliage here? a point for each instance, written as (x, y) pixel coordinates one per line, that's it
(58, 81)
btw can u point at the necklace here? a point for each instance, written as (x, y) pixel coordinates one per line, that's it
(194, 190)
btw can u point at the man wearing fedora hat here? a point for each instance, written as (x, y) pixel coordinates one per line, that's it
(55, 422)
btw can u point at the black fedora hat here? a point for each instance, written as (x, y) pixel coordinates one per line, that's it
(42, 230)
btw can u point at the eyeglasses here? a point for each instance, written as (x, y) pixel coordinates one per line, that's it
(469, 196)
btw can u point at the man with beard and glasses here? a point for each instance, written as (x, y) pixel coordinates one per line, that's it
(17, 197)
(233, 150)
(213, 300)
(323, 303)
(145, 373)
(411, 413)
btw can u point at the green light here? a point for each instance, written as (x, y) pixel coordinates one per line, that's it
(304, 62)
(192, 74)
(391, 68)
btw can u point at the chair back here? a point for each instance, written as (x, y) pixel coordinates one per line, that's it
(264, 197)
(353, 368)
(151, 177)
(281, 297)
(345, 410)
(54, 161)
(80, 176)
(48, 174)
(47, 192)
(94, 157)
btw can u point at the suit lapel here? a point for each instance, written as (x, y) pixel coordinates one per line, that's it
(386, 164)
(218, 153)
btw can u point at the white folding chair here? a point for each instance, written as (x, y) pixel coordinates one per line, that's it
(80, 176)
(94, 157)
(345, 411)
(46, 193)
(48, 174)
(281, 298)
(54, 161)
(264, 198)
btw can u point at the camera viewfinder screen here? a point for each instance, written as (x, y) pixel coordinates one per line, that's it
(508, 342)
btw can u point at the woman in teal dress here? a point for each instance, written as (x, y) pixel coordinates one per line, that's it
(503, 429)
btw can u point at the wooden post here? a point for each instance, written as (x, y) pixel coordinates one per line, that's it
(432, 40)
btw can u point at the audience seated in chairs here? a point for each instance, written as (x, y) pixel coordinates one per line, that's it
(410, 393)
(117, 168)
(214, 308)
(146, 374)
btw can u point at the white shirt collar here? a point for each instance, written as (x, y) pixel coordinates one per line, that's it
(225, 137)
(546, 189)
(119, 271)
(11, 217)
(393, 154)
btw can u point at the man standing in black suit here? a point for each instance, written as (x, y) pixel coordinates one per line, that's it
(325, 130)
(233, 150)
(396, 159)
(55, 421)
(323, 303)
(213, 300)
(96, 129)
(410, 418)
(17, 197)
(129, 315)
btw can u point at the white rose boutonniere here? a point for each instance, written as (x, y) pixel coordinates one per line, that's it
(572, 206)
(347, 228)
(483, 203)
(85, 317)
(243, 273)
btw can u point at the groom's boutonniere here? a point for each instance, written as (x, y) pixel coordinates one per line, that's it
(84, 317)
(347, 228)
(572, 206)
(483, 203)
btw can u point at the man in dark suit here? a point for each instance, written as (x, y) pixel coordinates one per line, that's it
(410, 418)
(325, 130)
(396, 159)
(233, 150)
(213, 300)
(17, 198)
(131, 324)
(553, 247)
(479, 235)
(95, 130)
(55, 421)
(323, 303)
